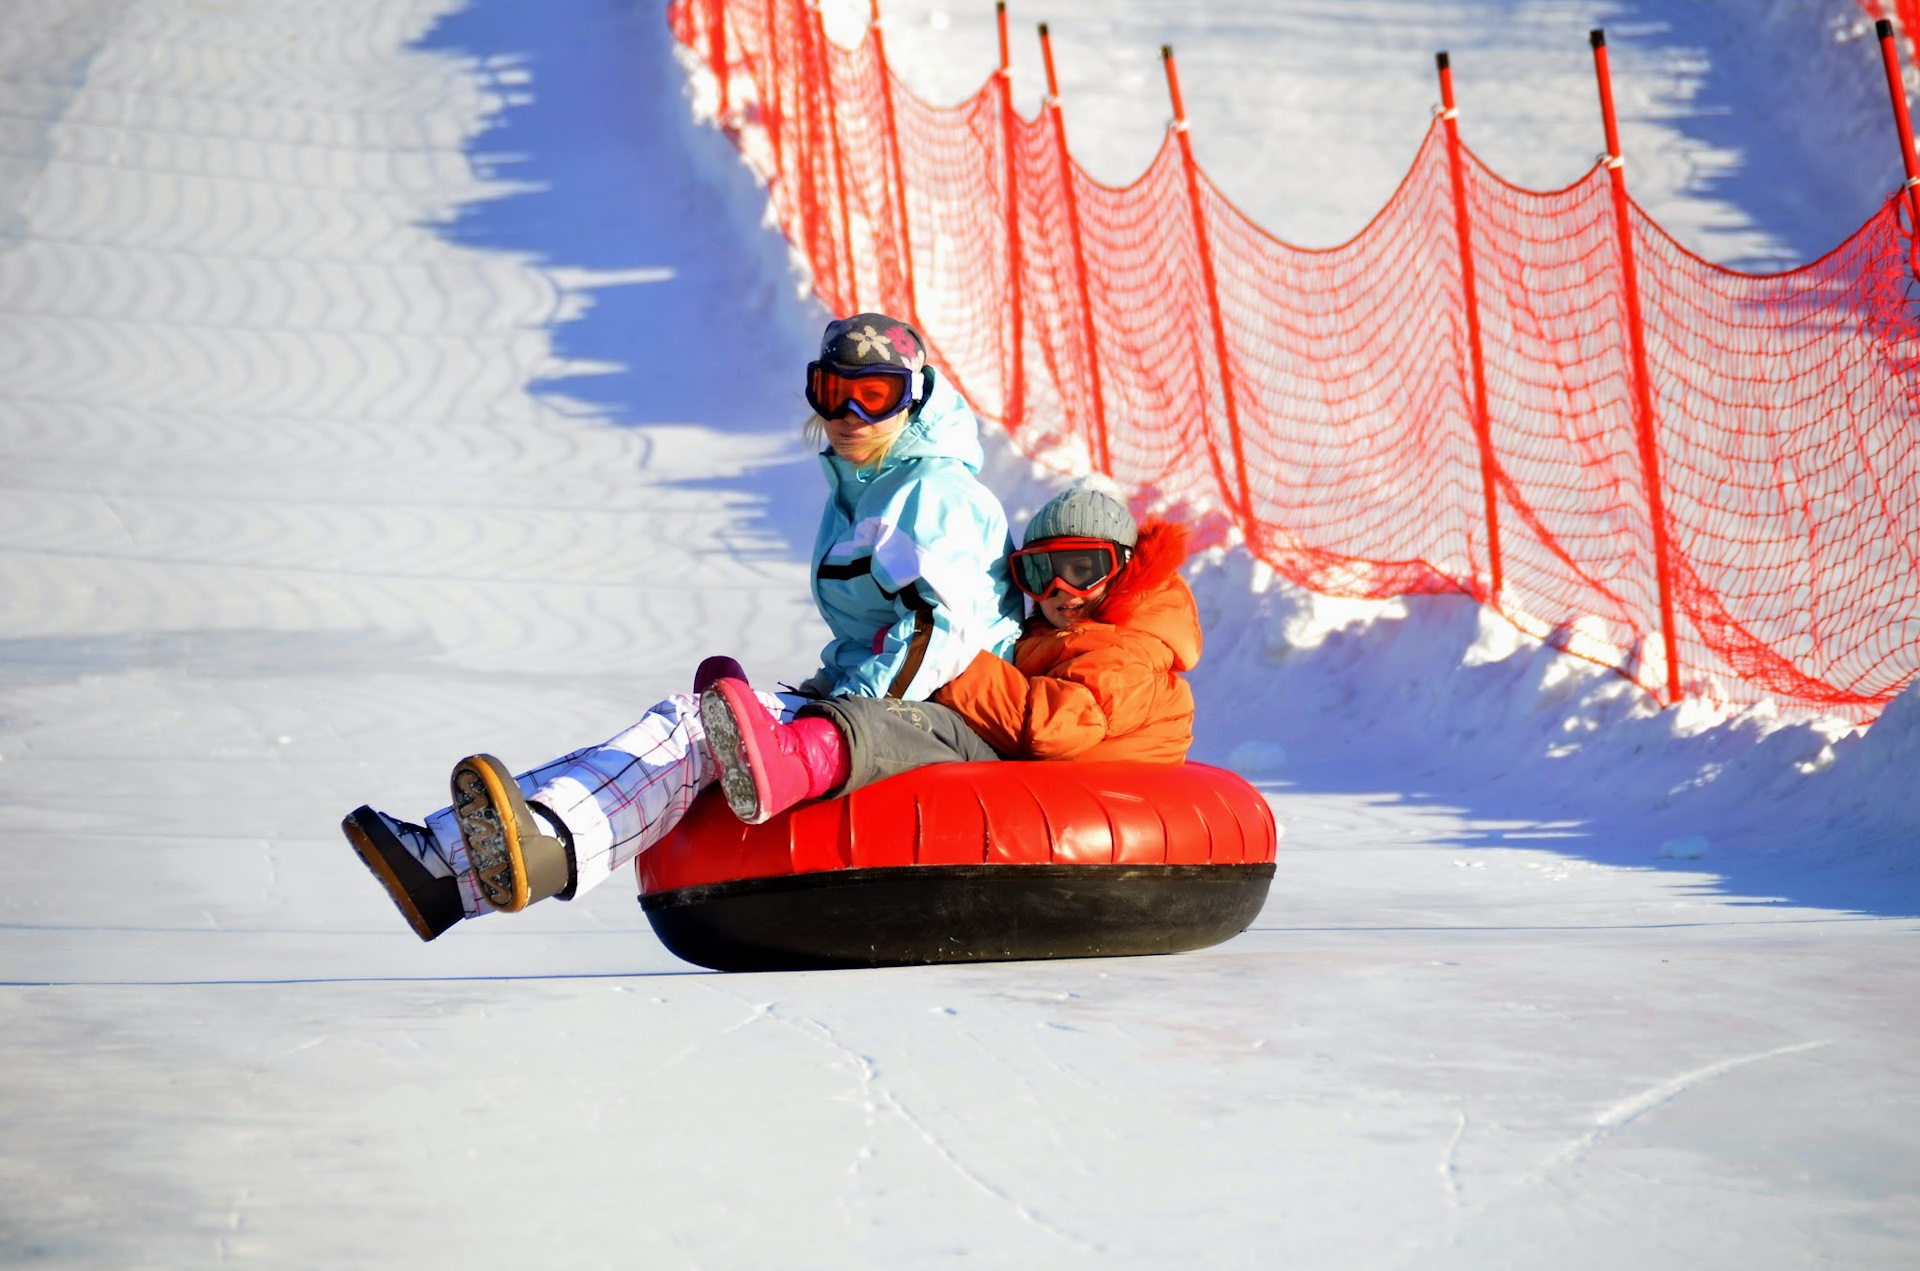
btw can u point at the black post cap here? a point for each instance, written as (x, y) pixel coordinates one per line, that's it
(1166, 52)
(1597, 38)
(1883, 28)
(1440, 60)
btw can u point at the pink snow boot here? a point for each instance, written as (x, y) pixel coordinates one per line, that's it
(766, 766)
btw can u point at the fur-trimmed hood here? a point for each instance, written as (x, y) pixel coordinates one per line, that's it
(1150, 595)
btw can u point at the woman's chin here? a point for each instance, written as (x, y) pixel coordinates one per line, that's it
(861, 445)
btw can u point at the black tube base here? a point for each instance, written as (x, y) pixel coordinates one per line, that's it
(919, 914)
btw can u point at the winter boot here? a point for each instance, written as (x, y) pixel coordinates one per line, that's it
(515, 860)
(406, 861)
(766, 766)
(717, 667)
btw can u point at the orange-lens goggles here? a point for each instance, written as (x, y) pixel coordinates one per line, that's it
(871, 393)
(1077, 566)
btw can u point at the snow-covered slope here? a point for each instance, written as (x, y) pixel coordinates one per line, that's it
(388, 380)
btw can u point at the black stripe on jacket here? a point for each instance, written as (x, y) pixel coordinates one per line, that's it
(858, 567)
(861, 567)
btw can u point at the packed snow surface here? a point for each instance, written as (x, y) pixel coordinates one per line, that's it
(387, 380)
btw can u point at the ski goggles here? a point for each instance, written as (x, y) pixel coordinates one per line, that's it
(870, 393)
(1077, 566)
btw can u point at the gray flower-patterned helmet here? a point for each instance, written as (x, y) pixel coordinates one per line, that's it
(872, 339)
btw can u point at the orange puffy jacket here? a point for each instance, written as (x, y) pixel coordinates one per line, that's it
(1108, 687)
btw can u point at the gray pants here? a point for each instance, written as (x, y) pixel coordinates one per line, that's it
(885, 736)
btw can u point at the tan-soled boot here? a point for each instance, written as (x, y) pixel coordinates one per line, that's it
(514, 859)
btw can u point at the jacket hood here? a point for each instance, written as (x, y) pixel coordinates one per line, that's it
(944, 427)
(1149, 594)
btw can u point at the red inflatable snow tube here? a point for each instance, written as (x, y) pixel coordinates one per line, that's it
(968, 863)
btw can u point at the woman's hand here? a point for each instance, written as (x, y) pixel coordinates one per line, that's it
(818, 686)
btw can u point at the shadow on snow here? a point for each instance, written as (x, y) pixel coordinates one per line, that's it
(684, 303)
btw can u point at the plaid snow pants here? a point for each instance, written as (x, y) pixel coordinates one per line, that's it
(619, 798)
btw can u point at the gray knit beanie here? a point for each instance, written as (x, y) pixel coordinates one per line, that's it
(1082, 512)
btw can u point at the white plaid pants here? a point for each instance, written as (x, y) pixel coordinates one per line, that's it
(616, 799)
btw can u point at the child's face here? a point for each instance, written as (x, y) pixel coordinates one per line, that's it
(1063, 610)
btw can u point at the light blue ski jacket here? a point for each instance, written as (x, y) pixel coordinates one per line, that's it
(910, 564)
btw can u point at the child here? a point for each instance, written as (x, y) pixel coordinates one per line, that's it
(1095, 675)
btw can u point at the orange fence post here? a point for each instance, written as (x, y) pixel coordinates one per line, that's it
(1902, 120)
(771, 106)
(808, 143)
(824, 58)
(1901, 15)
(1014, 407)
(1463, 228)
(1102, 459)
(905, 239)
(1204, 245)
(1643, 420)
(717, 53)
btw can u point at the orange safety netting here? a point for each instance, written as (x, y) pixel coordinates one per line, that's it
(1726, 504)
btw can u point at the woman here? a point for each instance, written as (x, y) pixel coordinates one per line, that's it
(909, 572)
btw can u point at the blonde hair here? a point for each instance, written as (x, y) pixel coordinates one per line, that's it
(814, 433)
